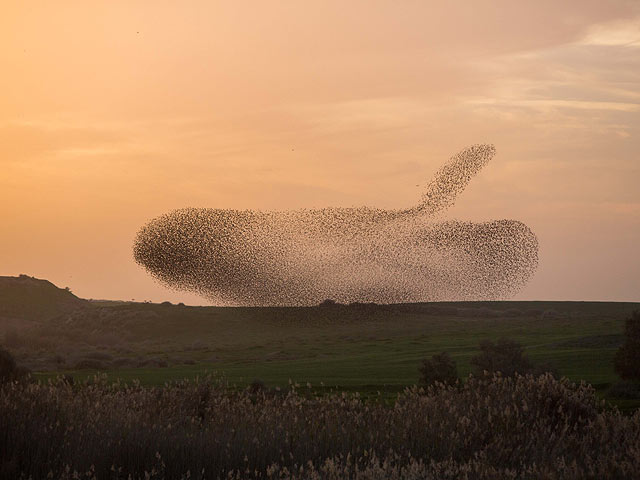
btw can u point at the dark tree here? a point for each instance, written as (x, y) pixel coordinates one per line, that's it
(257, 386)
(329, 302)
(9, 370)
(440, 368)
(627, 359)
(505, 356)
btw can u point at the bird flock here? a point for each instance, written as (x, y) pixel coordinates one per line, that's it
(303, 257)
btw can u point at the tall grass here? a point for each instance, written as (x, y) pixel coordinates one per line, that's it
(492, 427)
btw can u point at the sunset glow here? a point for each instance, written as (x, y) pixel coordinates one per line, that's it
(112, 113)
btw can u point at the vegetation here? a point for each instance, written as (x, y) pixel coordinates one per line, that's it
(8, 366)
(504, 426)
(628, 390)
(342, 345)
(627, 359)
(358, 347)
(441, 368)
(505, 356)
(9, 369)
(490, 427)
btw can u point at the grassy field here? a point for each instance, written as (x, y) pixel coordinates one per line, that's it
(354, 347)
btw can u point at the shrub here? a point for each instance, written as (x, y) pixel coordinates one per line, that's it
(8, 366)
(625, 390)
(58, 360)
(90, 364)
(627, 359)
(329, 302)
(505, 356)
(9, 369)
(158, 362)
(257, 386)
(123, 362)
(141, 362)
(440, 368)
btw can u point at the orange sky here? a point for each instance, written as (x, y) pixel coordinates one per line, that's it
(114, 112)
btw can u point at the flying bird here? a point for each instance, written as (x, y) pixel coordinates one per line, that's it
(362, 254)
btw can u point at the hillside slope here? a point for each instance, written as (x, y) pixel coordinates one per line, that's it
(33, 299)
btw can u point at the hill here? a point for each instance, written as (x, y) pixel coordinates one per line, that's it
(35, 300)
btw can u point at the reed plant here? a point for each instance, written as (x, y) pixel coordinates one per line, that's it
(488, 427)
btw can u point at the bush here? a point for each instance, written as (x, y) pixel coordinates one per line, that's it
(8, 366)
(329, 302)
(505, 356)
(58, 360)
(9, 369)
(90, 364)
(158, 362)
(627, 359)
(123, 362)
(625, 390)
(141, 362)
(257, 386)
(440, 368)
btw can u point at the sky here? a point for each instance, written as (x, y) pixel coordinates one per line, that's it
(115, 112)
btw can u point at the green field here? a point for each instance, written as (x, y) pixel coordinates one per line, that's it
(353, 347)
